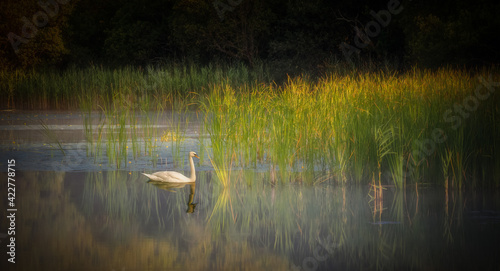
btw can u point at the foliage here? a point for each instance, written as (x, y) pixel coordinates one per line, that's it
(236, 35)
(26, 40)
(463, 36)
(294, 36)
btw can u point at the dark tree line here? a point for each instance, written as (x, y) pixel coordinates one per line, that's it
(287, 34)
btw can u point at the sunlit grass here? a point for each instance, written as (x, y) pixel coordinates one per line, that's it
(417, 126)
(358, 125)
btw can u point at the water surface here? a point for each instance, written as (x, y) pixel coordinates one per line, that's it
(89, 216)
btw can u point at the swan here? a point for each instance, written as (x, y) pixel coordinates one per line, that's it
(175, 177)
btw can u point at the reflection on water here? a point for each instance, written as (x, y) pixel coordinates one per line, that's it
(171, 186)
(117, 221)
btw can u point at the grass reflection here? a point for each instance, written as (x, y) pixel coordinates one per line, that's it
(118, 220)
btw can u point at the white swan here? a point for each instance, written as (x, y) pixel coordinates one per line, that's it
(175, 177)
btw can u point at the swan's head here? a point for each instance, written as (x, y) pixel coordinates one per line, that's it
(193, 154)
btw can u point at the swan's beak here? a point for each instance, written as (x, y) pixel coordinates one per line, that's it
(196, 155)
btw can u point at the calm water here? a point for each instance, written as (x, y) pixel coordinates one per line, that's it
(82, 216)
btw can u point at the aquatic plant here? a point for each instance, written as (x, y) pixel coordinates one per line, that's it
(55, 89)
(354, 125)
(322, 127)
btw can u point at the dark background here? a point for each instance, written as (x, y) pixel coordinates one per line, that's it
(292, 36)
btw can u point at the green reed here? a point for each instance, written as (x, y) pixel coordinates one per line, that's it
(126, 127)
(131, 102)
(345, 125)
(55, 89)
(177, 135)
(357, 125)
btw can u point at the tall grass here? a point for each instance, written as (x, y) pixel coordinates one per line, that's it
(419, 126)
(54, 89)
(125, 127)
(396, 126)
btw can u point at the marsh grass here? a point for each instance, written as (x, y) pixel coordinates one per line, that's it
(129, 101)
(52, 138)
(179, 122)
(348, 125)
(356, 125)
(55, 89)
(125, 129)
(222, 168)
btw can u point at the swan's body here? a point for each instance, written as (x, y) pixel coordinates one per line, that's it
(175, 177)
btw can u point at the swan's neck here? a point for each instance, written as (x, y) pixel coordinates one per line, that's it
(193, 172)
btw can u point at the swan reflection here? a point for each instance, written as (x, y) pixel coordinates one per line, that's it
(171, 186)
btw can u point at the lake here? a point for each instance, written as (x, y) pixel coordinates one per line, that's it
(77, 212)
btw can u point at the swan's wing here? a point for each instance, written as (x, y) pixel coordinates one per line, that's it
(171, 176)
(153, 177)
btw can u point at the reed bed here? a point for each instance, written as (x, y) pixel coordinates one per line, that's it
(54, 89)
(129, 102)
(422, 126)
(383, 127)
(123, 131)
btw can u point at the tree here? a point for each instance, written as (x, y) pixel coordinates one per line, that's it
(32, 32)
(463, 35)
(233, 30)
(138, 32)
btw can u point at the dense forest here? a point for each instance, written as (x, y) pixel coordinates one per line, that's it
(292, 36)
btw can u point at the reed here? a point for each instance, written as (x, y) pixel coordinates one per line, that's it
(355, 125)
(55, 89)
(125, 129)
(345, 125)
(51, 137)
